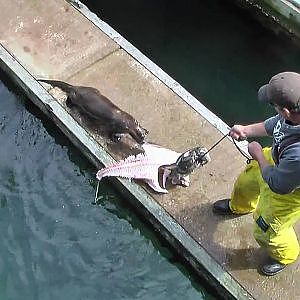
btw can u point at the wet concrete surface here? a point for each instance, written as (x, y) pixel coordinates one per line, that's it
(53, 40)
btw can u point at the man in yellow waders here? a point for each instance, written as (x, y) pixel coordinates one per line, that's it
(270, 185)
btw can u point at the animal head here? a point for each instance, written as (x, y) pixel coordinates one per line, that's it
(188, 161)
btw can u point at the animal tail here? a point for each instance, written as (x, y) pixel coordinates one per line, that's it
(60, 84)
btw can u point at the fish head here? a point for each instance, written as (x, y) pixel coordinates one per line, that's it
(188, 161)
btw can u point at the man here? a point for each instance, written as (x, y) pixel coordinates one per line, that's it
(270, 185)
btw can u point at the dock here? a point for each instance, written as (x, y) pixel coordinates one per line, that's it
(285, 13)
(65, 41)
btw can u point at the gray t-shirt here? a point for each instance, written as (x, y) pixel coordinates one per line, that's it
(284, 177)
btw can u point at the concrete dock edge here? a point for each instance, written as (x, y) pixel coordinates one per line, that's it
(278, 15)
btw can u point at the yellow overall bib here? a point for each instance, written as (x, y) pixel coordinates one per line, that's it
(274, 214)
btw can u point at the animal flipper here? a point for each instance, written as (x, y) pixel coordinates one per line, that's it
(66, 87)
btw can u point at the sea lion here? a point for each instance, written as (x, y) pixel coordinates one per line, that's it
(92, 103)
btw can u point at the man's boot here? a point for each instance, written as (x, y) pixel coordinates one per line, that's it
(221, 207)
(272, 267)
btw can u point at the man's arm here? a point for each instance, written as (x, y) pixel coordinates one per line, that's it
(239, 132)
(255, 150)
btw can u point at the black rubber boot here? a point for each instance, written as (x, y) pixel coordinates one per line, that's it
(272, 267)
(221, 207)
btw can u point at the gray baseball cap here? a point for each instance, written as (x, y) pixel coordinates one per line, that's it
(283, 90)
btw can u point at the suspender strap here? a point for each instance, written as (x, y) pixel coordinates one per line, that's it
(278, 150)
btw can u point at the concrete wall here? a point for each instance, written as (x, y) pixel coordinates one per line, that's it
(279, 15)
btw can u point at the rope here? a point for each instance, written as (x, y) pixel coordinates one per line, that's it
(214, 145)
(246, 156)
(234, 142)
(96, 195)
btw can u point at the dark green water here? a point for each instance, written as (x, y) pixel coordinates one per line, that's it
(54, 243)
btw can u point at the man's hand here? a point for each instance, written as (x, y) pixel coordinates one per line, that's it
(241, 132)
(238, 132)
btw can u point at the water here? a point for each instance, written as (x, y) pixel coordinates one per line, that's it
(54, 243)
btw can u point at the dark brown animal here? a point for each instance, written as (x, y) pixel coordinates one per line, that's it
(99, 108)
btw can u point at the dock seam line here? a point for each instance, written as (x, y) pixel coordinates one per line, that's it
(93, 63)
